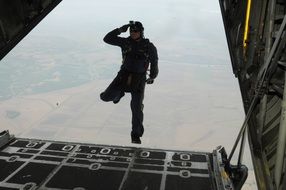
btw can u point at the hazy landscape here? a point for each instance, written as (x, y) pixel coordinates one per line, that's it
(50, 83)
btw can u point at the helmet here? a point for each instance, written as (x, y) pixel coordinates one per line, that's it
(136, 25)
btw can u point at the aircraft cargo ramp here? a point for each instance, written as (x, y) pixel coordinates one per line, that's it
(38, 164)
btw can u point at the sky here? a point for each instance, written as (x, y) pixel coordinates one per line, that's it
(57, 72)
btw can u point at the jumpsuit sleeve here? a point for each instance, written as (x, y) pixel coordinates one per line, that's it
(113, 38)
(154, 61)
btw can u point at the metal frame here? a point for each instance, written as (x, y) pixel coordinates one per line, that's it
(5, 138)
(9, 45)
(280, 155)
(223, 181)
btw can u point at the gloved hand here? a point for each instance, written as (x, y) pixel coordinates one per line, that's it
(124, 28)
(150, 80)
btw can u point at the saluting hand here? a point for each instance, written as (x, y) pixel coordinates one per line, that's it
(124, 28)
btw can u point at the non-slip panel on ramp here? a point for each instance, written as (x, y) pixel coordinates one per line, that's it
(36, 164)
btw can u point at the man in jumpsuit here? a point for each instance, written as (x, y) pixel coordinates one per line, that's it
(137, 53)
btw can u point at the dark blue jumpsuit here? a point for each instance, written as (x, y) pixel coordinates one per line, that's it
(136, 57)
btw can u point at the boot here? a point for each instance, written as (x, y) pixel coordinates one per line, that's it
(135, 139)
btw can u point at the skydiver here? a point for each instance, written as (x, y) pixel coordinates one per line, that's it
(137, 53)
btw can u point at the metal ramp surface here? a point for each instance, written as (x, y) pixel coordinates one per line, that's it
(37, 164)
